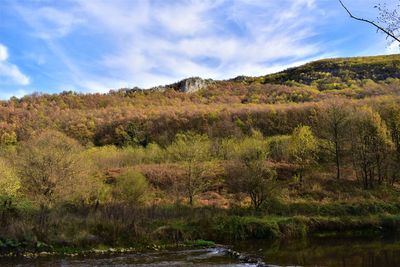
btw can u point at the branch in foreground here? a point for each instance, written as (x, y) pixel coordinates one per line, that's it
(391, 34)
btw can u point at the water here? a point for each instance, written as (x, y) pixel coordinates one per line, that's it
(328, 252)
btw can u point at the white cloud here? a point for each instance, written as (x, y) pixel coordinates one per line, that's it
(393, 48)
(191, 30)
(156, 42)
(3, 53)
(50, 22)
(186, 19)
(10, 73)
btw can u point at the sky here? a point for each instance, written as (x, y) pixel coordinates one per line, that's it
(96, 45)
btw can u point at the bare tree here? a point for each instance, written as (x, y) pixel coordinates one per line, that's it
(388, 20)
(332, 128)
(193, 151)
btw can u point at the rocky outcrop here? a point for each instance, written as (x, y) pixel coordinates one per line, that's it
(189, 85)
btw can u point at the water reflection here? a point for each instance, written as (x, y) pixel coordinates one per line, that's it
(329, 252)
(317, 252)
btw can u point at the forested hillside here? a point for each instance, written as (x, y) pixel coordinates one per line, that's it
(277, 156)
(262, 103)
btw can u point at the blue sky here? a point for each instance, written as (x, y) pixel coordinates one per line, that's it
(98, 45)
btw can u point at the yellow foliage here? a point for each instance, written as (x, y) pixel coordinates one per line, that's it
(9, 182)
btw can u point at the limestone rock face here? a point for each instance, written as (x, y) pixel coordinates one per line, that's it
(191, 85)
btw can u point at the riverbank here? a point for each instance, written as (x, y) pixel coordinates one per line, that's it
(192, 232)
(33, 251)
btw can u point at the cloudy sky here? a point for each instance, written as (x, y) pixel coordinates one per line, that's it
(96, 45)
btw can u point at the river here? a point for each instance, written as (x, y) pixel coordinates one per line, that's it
(329, 252)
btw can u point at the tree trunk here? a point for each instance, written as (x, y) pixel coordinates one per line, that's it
(337, 157)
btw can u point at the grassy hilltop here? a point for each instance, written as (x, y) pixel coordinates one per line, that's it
(311, 150)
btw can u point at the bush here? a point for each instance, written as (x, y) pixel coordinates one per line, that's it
(278, 146)
(130, 187)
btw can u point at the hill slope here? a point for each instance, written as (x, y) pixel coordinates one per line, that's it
(274, 103)
(337, 73)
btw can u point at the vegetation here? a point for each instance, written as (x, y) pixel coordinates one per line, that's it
(280, 156)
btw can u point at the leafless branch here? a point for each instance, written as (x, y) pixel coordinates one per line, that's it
(391, 34)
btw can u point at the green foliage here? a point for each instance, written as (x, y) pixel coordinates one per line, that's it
(303, 148)
(391, 114)
(278, 147)
(131, 134)
(53, 169)
(241, 228)
(193, 151)
(8, 139)
(336, 74)
(248, 173)
(129, 187)
(333, 124)
(109, 157)
(9, 181)
(203, 243)
(371, 144)
(253, 178)
(252, 147)
(189, 147)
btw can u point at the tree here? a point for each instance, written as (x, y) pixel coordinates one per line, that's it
(333, 126)
(392, 118)
(9, 181)
(193, 150)
(248, 172)
(53, 169)
(254, 146)
(391, 115)
(371, 145)
(303, 149)
(253, 178)
(9, 186)
(389, 20)
(132, 134)
(8, 138)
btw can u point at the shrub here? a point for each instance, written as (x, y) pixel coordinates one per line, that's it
(130, 187)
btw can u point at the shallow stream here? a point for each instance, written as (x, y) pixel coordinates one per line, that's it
(329, 252)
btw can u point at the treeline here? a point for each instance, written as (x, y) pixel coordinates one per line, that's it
(155, 123)
(51, 166)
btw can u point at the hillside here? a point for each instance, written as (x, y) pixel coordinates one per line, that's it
(272, 157)
(163, 111)
(339, 73)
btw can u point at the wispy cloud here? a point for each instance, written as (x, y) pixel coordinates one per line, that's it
(10, 73)
(216, 39)
(96, 45)
(152, 42)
